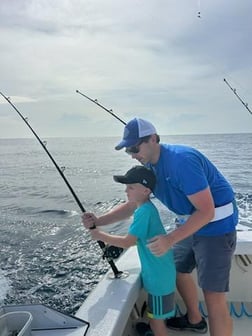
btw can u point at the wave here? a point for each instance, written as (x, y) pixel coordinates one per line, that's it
(68, 213)
(244, 203)
(4, 287)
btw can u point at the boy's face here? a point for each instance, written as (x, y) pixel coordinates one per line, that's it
(136, 192)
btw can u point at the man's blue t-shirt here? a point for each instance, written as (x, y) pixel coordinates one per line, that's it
(182, 171)
(158, 273)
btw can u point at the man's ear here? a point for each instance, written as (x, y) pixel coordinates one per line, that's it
(153, 138)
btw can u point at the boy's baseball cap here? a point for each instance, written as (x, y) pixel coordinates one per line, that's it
(138, 174)
(134, 130)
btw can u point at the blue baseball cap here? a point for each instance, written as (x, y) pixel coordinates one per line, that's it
(135, 129)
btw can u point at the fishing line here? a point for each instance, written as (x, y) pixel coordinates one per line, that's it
(108, 252)
(95, 101)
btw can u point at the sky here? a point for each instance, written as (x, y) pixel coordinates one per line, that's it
(161, 60)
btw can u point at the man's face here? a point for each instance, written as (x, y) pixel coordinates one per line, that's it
(143, 152)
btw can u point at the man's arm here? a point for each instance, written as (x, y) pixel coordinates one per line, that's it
(120, 212)
(203, 214)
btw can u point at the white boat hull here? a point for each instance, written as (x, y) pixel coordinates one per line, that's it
(115, 305)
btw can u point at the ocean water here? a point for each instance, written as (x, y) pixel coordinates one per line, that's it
(46, 255)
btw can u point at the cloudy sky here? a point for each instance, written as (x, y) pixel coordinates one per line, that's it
(156, 59)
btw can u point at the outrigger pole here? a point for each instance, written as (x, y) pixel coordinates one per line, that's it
(117, 274)
(234, 91)
(95, 101)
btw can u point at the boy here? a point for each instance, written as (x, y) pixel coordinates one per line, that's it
(158, 273)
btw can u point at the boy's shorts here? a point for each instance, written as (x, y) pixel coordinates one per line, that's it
(211, 255)
(161, 306)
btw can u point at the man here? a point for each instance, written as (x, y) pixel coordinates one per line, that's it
(192, 187)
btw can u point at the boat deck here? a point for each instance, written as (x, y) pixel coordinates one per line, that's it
(242, 327)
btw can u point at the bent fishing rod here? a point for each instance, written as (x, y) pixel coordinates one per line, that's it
(234, 91)
(95, 101)
(108, 253)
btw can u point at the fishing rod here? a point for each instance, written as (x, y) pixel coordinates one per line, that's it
(95, 101)
(234, 91)
(108, 252)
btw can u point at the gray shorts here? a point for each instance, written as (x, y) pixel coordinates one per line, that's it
(212, 257)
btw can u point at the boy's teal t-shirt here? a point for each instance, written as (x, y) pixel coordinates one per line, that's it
(158, 273)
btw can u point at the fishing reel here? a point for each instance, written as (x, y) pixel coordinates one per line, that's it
(112, 252)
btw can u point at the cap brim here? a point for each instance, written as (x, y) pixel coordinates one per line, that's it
(121, 179)
(119, 146)
(126, 143)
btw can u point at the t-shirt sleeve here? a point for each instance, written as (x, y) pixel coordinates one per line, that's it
(139, 227)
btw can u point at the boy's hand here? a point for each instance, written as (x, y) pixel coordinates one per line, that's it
(95, 234)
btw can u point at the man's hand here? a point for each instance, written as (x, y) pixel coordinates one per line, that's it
(89, 220)
(159, 245)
